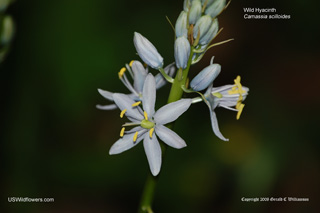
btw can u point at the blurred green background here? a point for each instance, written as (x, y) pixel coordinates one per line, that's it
(55, 142)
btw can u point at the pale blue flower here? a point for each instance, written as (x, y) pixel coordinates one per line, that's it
(181, 52)
(147, 52)
(195, 11)
(215, 8)
(205, 77)
(181, 25)
(149, 124)
(229, 97)
(138, 74)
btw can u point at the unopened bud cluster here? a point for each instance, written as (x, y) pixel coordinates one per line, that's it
(197, 23)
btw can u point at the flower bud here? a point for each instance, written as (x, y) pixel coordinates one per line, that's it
(181, 52)
(210, 34)
(7, 30)
(195, 11)
(215, 8)
(147, 52)
(203, 24)
(181, 25)
(205, 77)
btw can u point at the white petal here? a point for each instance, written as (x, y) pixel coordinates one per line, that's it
(170, 137)
(124, 102)
(172, 111)
(140, 74)
(106, 94)
(215, 126)
(149, 95)
(106, 107)
(125, 143)
(153, 152)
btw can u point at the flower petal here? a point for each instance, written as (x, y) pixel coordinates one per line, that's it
(106, 107)
(149, 95)
(153, 152)
(106, 94)
(215, 126)
(124, 102)
(172, 111)
(139, 75)
(170, 137)
(126, 142)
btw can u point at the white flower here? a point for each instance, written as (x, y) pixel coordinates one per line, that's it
(149, 124)
(229, 97)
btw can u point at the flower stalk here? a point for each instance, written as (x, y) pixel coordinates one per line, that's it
(176, 93)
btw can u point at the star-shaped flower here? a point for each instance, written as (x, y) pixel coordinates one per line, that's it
(149, 124)
(138, 74)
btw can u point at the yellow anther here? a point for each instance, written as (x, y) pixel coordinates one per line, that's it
(238, 105)
(240, 108)
(145, 115)
(131, 62)
(122, 113)
(237, 89)
(122, 132)
(151, 132)
(123, 69)
(135, 137)
(136, 104)
(238, 84)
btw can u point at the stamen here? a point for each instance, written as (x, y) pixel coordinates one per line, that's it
(135, 137)
(136, 104)
(122, 113)
(145, 115)
(131, 62)
(122, 132)
(151, 132)
(240, 111)
(123, 69)
(238, 105)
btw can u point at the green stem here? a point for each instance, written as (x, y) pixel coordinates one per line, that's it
(176, 93)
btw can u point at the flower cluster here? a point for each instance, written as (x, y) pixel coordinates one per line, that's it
(195, 29)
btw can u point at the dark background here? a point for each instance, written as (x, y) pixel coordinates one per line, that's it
(55, 143)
